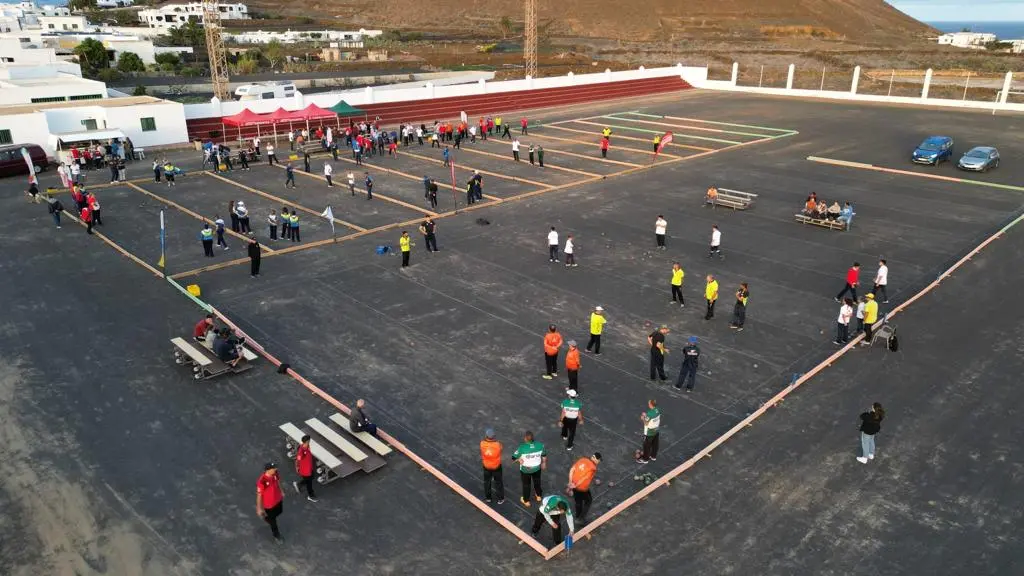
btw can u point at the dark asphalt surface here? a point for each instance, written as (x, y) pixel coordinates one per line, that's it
(116, 462)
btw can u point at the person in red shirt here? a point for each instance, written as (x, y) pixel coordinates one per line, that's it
(94, 208)
(202, 328)
(393, 149)
(523, 123)
(270, 498)
(552, 342)
(86, 215)
(305, 466)
(852, 278)
(604, 147)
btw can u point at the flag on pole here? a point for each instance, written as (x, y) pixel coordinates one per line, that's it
(329, 214)
(163, 243)
(464, 116)
(31, 167)
(665, 141)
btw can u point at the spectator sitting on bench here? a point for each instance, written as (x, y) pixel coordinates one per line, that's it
(203, 328)
(358, 421)
(711, 195)
(225, 346)
(846, 214)
(810, 206)
(834, 211)
(821, 212)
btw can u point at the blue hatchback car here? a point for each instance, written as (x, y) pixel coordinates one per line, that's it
(933, 150)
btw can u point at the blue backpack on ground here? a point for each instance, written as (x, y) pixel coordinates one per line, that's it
(382, 250)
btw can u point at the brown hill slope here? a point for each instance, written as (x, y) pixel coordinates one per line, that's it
(626, 19)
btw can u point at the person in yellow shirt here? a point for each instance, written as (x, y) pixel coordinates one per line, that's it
(677, 284)
(405, 243)
(870, 318)
(711, 295)
(597, 321)
(656, 141)
(607, 132)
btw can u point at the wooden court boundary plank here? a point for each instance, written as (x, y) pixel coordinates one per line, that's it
(177, 206)
(675, 134)
(477, 206)
(547, 165)
(863, 166)
(401, 203)
(620, 137)
(282, 201)
(114, 245)
(623, 148)
(392, 441)
(480, 170)
(597, 159)
(719, 130)
(774, 400)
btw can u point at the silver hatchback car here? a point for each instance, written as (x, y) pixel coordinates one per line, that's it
(979, 159)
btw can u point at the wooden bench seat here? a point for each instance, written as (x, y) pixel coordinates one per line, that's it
(734, 199)
(830, 224)
(365, 437)
(205, 364)
(346, 442)
(329, 466)
(249, 355)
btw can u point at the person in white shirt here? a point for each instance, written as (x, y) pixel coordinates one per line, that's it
(328, 171)
(553, 245)
(291, 139)
(660, 225)
(272, 222)
(271, 157)
(352, 183)
(243, 217)
(881, 280)
(570, 257)
(472, 133)
(716, 242)
(515, 150)
(843, 326)
(419, 136)
(860, 314)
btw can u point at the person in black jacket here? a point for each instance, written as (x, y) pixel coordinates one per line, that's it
(358, 422)
(55, 209)
(254, 256)
(870, 424)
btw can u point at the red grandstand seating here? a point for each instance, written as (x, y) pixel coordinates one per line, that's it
(427, 111)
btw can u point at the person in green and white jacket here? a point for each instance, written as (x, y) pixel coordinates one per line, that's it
(551, 510)
(652, 421)
(572, 414)
(532, 458)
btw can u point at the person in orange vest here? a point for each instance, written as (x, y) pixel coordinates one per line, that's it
(490, 455)
(552, 342)
(580, 476)
(572, 365)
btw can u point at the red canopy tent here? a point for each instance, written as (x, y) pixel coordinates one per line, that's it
(314, 112)
(244, 118)
(281, 115)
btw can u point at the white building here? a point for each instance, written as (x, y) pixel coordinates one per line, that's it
(1017, 46)
(173, 15)
(26, 15)
(344, 39)
(114, 3)
(39, 82)
(976, 40)
(147, 121)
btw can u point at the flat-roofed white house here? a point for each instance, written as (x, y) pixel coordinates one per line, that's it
(976, 40)
(173, 15)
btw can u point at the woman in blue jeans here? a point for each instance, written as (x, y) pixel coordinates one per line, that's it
(870, 424)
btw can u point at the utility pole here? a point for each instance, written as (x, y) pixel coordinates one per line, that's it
(215, 49)
(530, 43)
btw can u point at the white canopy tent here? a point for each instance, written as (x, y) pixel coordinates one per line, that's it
(65, 141)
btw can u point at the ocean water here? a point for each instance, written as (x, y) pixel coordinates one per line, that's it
(1002, 30)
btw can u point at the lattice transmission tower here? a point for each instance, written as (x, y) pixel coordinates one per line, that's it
(530, 44)
(215, 49)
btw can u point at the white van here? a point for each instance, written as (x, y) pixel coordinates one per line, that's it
(266, 91)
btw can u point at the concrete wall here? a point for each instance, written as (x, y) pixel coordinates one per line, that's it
(422, 91)
(852, 95)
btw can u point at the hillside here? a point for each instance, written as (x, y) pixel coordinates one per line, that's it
(856, 20)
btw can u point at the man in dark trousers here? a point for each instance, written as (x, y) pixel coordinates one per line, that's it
(86, 216)
(652, 422)
(691, 355)
(658, 351)
(428, 229)
(490, 456)
(580, 477)
(852, 278)
(254, 256)
(206, 235)
(359, 422)
(305, 467)
(270, 498)
(739, 310)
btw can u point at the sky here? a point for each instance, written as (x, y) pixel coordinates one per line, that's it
(962, 10)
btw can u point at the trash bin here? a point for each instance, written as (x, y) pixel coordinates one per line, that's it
(198, 144)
